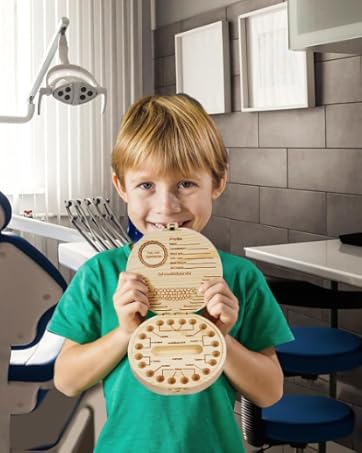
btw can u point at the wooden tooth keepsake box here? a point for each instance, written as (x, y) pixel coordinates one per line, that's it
(176, 351)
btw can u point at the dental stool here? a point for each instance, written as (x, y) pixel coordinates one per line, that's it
(318, 350)
(299, 420)
(296, 420)
(33, 415)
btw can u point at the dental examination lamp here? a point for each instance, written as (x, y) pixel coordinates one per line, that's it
(67, 82)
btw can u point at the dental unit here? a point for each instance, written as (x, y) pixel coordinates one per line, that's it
(68, 83)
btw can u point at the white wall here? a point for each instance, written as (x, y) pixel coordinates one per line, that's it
(169, 11)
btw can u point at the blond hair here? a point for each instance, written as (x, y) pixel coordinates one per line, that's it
(175, 132)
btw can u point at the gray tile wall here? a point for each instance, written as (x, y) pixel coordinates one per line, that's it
(294, 175)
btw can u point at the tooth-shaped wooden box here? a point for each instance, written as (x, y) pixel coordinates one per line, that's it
(176, 351)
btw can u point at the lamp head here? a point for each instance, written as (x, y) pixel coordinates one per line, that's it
(72, 85)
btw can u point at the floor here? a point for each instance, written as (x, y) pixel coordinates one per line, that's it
(331, 448)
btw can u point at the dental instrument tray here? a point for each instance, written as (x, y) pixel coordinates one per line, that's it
(176, 351)
(352, 239)
(97, 223)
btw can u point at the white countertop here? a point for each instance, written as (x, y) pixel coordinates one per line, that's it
(329, 259)
(74, 254)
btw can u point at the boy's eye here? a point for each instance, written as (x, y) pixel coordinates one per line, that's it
(146, 185)
(187, 184)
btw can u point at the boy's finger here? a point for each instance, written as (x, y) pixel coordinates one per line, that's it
(210, 283)
(220, 299)
(129, 276)
(222, 312)
(139, 307)
(135, 307)
(217, 288)
(207, 315)
(130, 296)
(132, 285)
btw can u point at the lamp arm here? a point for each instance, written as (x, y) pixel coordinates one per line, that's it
(20, 119)
(52, 48)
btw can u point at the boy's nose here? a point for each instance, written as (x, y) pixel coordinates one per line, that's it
(168, 203)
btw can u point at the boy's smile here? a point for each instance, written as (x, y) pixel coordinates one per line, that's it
(154, 200)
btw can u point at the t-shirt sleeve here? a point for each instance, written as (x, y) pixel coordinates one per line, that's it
(77, 315)
(263, 323)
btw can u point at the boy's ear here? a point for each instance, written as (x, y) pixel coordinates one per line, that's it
(218, 190)
(119, 187)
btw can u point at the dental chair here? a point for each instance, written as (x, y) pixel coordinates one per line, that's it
(33, 415)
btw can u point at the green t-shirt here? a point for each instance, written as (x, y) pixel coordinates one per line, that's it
(139, 420)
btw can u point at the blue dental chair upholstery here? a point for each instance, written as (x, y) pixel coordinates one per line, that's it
(33, 415)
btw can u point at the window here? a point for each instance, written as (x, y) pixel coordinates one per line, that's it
(65, 153)
(16, 163)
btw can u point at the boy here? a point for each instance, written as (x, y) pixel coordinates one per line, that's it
(169, 165)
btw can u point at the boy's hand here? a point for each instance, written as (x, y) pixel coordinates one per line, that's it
(221, 304)
(130, 301)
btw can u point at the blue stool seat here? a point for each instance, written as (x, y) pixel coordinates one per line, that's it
(320, 350)
(299, 419)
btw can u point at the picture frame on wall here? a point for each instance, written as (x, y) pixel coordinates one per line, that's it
(272, 77)
(202, 58)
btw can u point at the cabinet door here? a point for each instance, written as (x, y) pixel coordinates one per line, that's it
(325, 25)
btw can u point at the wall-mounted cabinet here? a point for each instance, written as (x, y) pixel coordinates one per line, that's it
(325, 25)
(272, 77)
(202, 66)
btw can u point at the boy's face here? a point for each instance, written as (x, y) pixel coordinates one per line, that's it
(156, 200)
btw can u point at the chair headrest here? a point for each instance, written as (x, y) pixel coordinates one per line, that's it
(5, 211)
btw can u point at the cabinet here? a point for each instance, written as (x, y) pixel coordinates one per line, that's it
(325, 25)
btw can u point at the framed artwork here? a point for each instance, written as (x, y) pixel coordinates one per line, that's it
(203, 66)
(272, 77)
